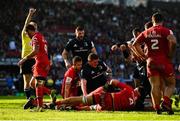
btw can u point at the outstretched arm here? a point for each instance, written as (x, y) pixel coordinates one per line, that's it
(138, 50)
(93, 50)
(83, 86)
(65, 57)
(67, 87)
(28, 18)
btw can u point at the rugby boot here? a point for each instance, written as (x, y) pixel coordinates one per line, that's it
(28, 104)
(167, 107)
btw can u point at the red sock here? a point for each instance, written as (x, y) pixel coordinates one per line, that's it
(58, 103)
(46, 90)
(39, 94)
(34, 102)
(167, 100)
(157, 107)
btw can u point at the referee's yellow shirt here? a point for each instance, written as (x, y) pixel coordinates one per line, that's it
(26, 44)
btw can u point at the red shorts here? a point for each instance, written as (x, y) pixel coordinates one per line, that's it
(159, 67)
(104, 100)
(41, 70)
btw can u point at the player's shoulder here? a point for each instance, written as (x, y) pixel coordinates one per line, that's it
(70, 71)
(164, 28)
(149, 29)
(36, 35)
(86, 68)
(71, 40)
(101, 62)
(24, 35)
(86, 39)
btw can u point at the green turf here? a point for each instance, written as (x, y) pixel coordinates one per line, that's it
(11, 109)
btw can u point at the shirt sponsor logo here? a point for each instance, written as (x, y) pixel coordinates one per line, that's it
(75, 45)
(68, 80)
(83, 50)
(92, 72)
(153, 34)
(99, 74)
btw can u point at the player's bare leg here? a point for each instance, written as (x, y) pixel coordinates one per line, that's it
(75, 101)
(33, 83)
(168, 92)
(155, 92)
(170, 86)
(162, 86)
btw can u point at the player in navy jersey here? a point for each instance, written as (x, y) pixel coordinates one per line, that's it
(79, 46)
(93, 74)
(139, 73)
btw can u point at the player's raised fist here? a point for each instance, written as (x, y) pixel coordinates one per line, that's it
(32, 10)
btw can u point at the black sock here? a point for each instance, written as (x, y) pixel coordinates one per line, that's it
(27, 93)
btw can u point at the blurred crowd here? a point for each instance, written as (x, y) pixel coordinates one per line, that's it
(104, 24)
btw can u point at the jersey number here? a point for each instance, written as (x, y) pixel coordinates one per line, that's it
(154, 45)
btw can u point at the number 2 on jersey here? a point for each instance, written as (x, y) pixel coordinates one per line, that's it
(154, 45)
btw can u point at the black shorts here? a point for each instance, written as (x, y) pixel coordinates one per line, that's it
(26, 68)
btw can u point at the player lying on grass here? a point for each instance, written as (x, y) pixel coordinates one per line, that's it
(102, 98)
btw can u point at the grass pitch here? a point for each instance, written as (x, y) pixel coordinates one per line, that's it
(11, 109)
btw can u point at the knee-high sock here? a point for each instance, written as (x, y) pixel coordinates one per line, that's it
(46, 90)
(167, 100)
(39, 94)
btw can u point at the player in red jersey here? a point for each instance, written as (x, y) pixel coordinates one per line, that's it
(160, 46)
(42, 65)
(124, 99)
(71, 80)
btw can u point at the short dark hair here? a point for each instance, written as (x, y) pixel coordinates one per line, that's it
(30, 27)
(76, 59)
(80, 28)
(92, 56)
(157, 17)
(135, 31)
(148, 24)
